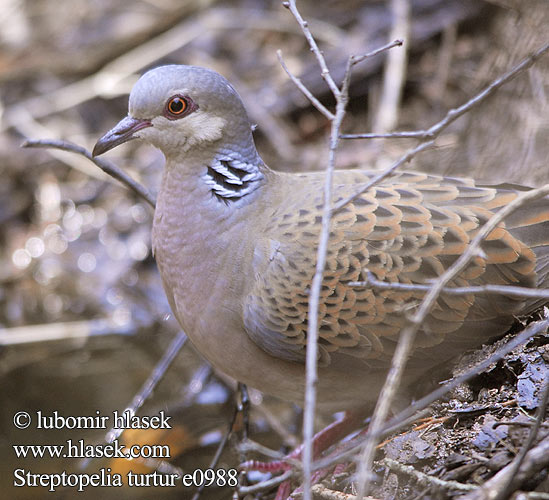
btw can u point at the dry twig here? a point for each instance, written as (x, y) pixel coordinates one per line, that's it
(265, 485)
(105, 165)
(143, 394)
(341, 95)
(455, 113)
(514, 291)
(426, 479)
(322, 493)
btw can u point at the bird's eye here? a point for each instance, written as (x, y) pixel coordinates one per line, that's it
(178, 106)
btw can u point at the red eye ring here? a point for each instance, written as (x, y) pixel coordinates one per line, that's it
(176, 105)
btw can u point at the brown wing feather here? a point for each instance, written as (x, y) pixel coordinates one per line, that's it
(409, 229)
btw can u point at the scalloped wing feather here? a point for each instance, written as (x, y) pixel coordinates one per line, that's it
(409, 229)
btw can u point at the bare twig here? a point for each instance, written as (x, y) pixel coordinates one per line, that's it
(395, 43)
(28, 126)
(288, 438)
(306, 92)
(152, 381)
(322, 493)
(426, 479)
(148, 387)
(325, 72)
(455, 113)
(341, 96)
(314, 301)
(220, 448)
(514, 291)
(265, 485)
(386, 173)
(413, 134)
(249, 445)
(536, 495)
(314, 297)
(62, 331)
(105, 165)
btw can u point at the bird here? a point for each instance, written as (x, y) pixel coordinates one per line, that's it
(236, 243)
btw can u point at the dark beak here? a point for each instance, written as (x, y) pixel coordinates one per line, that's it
(122, 132)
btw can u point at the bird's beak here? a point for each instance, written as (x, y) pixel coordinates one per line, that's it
(122, 132)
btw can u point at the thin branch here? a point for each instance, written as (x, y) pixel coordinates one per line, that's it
(414, 134)
(455, 113)
(336, 119)
(105, 165)
(148, 386)
(314, 301)
(27, 126)
(342, 98)
(305, 91)
(322, 493)
(325, 72)
(536, 495)
(152, 381)
(358, 59)
(425, 479)
(265, 485)
(513, 291)
(386, 173)
(63, 331)
(248, 445)
(220, 448)
(288, 438)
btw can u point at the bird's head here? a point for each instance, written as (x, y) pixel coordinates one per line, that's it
(177, 108)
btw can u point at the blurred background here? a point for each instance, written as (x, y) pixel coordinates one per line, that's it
(83, 318)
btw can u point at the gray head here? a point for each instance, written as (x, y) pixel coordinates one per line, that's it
(177, 108)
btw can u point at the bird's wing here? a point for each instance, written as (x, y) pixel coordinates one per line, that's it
(409, 230)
